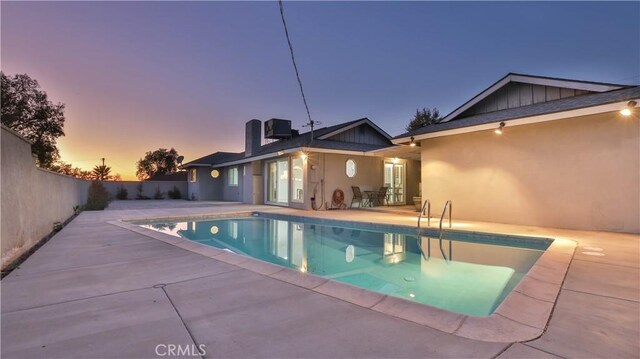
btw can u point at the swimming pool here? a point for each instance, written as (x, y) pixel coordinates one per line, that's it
(466, 272)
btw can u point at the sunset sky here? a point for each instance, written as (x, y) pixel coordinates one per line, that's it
(136, 76)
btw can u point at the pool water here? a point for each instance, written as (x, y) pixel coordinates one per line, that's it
(468, 273)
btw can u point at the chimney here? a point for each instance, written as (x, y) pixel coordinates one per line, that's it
(253, 137)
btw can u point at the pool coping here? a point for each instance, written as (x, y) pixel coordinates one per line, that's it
(522, 316)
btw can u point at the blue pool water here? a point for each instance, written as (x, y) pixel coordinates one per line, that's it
(468, 273)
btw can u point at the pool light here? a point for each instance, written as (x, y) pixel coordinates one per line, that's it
(627, 110)
(498, 130)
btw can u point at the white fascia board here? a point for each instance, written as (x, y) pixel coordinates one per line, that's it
(353, 125)
(593, 110)
(542, 81)
(577, 85)
(481, 96)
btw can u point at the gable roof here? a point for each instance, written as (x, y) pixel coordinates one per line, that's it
(534, 80)
(334, 130)
(321, 140)
(575, 103)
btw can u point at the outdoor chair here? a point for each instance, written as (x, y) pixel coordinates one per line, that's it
(381, 197)
(357, 196)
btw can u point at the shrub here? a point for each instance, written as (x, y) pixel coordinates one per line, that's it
(158, 194)
(98, 197)
(122, 193)
(174, 193)
(139, 190)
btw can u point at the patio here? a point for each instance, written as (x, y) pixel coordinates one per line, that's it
(98, 290)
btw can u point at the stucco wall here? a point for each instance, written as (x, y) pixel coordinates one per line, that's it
(207, 188)
(32, 198)
(229, 192)
(579, 173)
(332, 167)
(148, 187)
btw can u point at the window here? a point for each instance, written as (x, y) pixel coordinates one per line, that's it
(215, 173)
(351, 168)
(192, 175)
(297, 179)
(233, 176)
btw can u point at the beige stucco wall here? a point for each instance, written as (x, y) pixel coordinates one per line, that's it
(32, 199)
(579, 173)
(369, 175)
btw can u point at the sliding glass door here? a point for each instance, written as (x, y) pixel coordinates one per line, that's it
(278, 181)
(394, 180)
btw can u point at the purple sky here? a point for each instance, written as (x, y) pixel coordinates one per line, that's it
(136, 76)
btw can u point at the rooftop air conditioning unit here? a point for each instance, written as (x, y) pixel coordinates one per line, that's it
(276, 128)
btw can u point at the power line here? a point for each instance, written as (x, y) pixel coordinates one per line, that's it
(295, 67)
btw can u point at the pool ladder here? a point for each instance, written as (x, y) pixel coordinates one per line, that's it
(427, 205)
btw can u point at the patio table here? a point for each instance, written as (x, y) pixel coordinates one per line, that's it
(371, 196)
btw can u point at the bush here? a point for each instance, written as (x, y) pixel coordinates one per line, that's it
(158, 194)
(174, 193)
(139, 194)
(98, 197)
(122, 193)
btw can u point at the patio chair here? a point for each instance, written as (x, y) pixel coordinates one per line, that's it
(381, 196)
(357, 196)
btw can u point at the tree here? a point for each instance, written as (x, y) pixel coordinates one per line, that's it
(101, 173)
(27, 110)
(159, 161)
(424, 117)
(68, 169)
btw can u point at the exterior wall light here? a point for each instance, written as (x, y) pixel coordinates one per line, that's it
(498, 130)
(303, 156)
(627, 110)
(413, 142)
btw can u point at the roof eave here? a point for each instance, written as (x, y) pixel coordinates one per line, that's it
(551, 116)
(534, 80)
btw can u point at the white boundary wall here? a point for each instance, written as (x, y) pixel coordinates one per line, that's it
(32, 199)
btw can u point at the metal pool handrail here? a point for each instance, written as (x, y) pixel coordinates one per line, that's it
(427, 204)
(449, 205)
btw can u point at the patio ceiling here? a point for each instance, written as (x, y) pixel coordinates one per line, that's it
(402, 151)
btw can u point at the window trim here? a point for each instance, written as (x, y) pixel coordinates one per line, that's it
(355, 168)
(193, 175)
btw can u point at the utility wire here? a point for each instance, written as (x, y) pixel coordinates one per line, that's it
(295, 67)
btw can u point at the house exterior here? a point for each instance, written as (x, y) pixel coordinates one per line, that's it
(302, 170)
(527, 150)
(538, 151)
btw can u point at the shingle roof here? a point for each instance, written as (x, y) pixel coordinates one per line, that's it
(301, 140)
(566, 104)
(217, 157)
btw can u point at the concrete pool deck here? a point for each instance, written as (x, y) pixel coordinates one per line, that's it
(98, 290)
